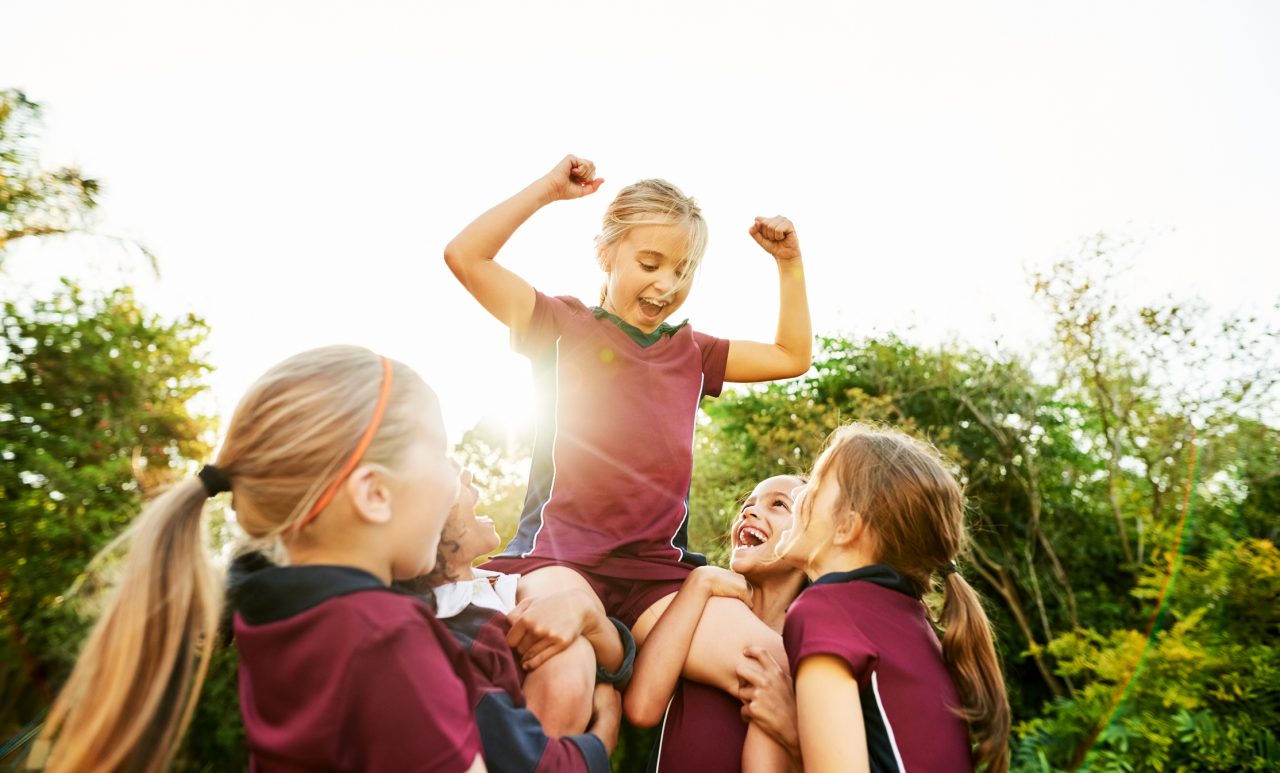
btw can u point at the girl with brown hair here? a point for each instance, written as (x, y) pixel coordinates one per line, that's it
(880, 524)
(338, 454)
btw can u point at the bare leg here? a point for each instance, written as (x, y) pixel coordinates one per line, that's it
(555, 690)
(559, 691)
(649, 618)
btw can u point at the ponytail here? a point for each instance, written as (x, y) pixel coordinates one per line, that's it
(970, 654)
(134, 686)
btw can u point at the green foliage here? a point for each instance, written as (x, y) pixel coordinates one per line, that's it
(498, 459)
(215, 741)
(1205, 695)
(93, 416)
(35, 201)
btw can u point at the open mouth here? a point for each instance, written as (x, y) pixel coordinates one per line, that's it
(651, 307)
(749, 536)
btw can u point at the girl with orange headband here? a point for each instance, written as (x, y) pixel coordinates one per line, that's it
(339, 454)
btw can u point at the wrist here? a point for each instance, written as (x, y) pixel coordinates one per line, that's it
(699, 580)
(543, 190)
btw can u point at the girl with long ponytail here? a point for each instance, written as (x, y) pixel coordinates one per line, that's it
(338, 455)
(880, 524)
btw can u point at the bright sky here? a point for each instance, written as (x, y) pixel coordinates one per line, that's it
(299, 166)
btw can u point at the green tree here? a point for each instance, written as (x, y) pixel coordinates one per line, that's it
(94, 416)
(35, 201)
(1074, 460)
(1201, 693)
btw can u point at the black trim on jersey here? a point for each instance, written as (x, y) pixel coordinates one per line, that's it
(634, 333)
(268, 594)
(877, 574)
(880, 752)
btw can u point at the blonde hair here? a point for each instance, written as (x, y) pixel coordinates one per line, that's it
(135, 684)
(656, 202)
(913, 508)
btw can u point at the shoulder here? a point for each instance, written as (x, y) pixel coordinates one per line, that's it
(562, 304)
(825, 620)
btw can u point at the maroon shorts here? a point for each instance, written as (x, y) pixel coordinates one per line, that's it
(625, 598)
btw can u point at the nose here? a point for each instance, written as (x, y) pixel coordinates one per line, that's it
(665, 281)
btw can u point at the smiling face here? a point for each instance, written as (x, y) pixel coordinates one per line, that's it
(764, 516)
(816, 506)
(475, 535)
(647, 274)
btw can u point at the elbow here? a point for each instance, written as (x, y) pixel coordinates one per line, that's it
(800, 364)
(640, 710)
(453, 258)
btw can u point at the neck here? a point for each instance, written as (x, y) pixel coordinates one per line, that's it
(461, 570)
(317, 554)
(838, 560)
(772, 594)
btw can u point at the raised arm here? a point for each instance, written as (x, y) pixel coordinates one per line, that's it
(662, 658)
(791, 352)
(470, 255)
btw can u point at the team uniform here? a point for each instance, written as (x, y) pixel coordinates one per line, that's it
(340, 672)
(702, 732)
(870, 619)
(613, 457)
(513, 739)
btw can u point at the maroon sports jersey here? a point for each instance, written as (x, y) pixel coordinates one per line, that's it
(702, 732)
(613, 456)
(339, 672)
(870, 619)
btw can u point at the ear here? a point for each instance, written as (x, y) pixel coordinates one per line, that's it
(850, 530)
(370, 496)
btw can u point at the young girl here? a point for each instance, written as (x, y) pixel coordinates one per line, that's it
(340, 454)
(691, 713)
(880, 522)
(618, 391)
(474, 605)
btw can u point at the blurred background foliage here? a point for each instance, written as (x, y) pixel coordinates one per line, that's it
(1135, 593)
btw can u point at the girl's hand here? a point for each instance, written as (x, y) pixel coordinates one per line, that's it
(768, 697)
(777, 236)
(544, 626)
(714, 581)
(572, 178)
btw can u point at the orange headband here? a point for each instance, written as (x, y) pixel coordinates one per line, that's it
(361, 447)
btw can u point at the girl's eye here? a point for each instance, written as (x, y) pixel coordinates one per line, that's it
(781, 503)
(649, 266)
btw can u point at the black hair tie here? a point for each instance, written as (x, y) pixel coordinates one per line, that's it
(215, 480)
(950, 569)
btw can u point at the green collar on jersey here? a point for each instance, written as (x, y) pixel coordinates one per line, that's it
(635, 333)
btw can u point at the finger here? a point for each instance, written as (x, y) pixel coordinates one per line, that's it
(518, 628)
(750, 673)
(760, 240)
(768, 666)
(746, 713)
(541, 652)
